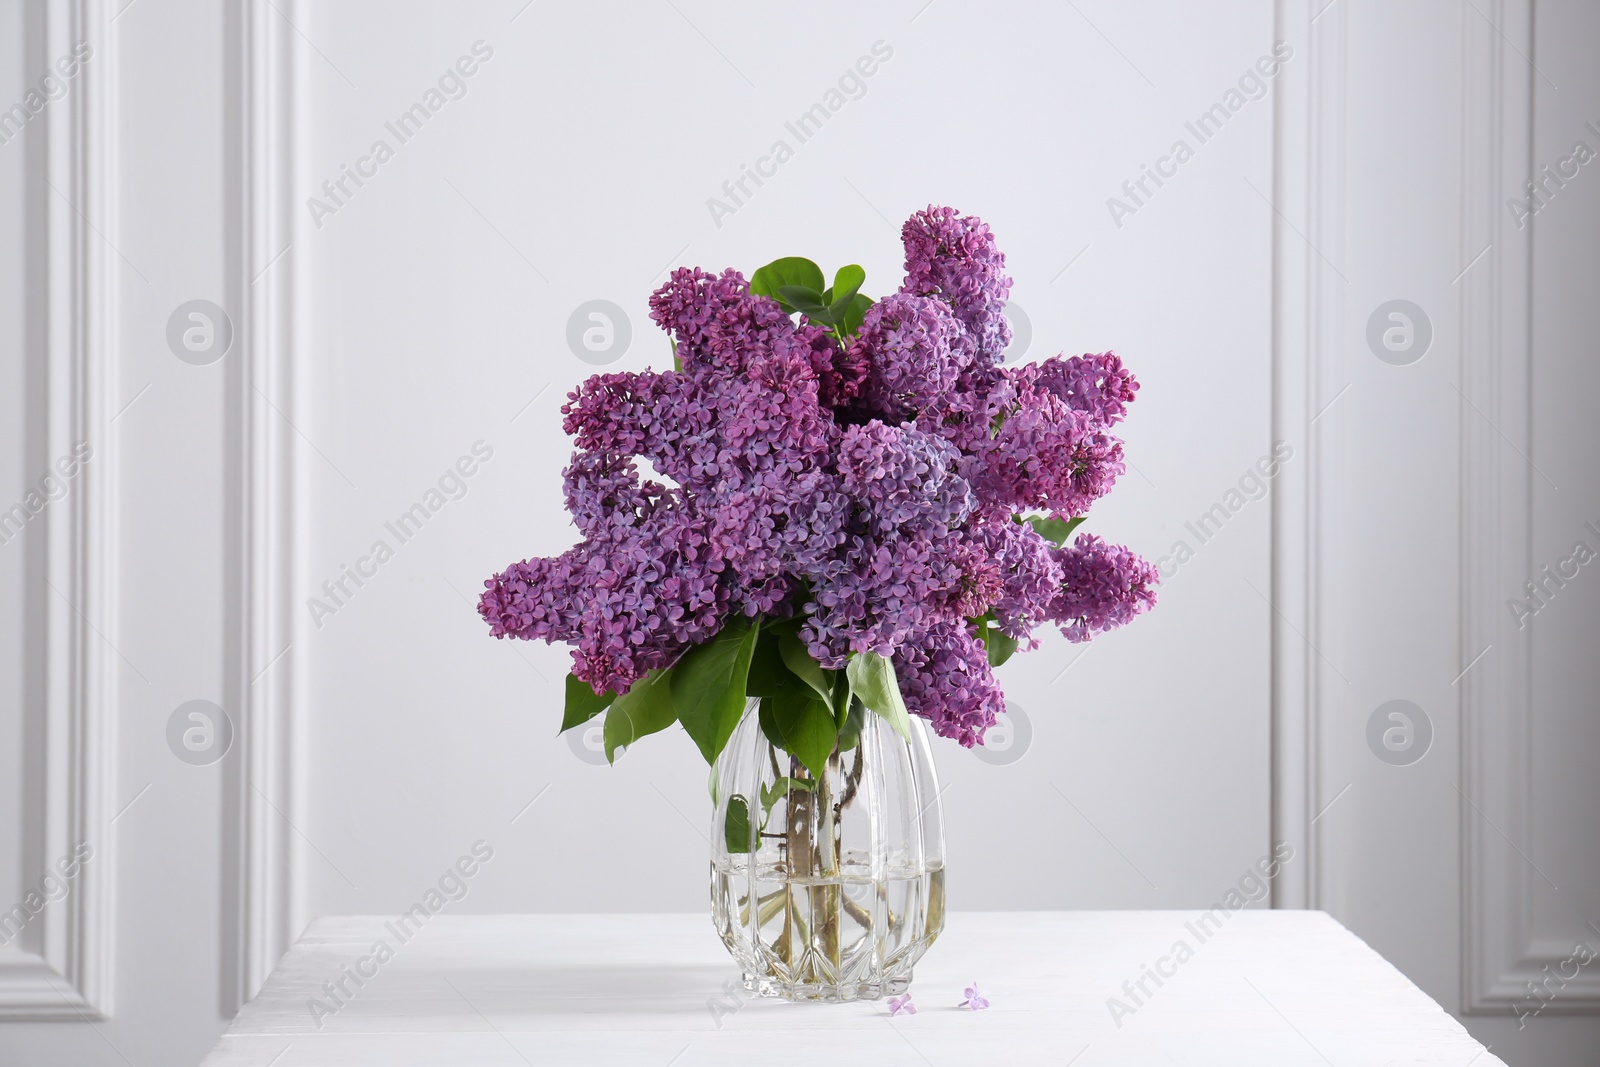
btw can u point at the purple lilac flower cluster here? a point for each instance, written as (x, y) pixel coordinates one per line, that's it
(870, 486)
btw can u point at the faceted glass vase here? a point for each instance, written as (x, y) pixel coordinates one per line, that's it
(827, 888)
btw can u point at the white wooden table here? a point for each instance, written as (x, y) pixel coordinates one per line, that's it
(1276, 988)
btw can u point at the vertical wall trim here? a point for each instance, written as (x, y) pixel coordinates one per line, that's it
(1500, 954)
(267, 408)
(70, 975)
(1308, 195)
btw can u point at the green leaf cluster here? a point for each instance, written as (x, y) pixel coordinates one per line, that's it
(799, 287)
(806, 710)
(704, 690)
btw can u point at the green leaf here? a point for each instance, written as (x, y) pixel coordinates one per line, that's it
(782, 787)
(677, 362)
(842, 698)
(792, 624)
(806, 301)
(582, 703)
(1053, 529)
(850, 732)
(769, 724)
(806, 726)
(768, 676)
(736, 825)
(846, 284)
(643, 710)
(791, 270)
(872, 679)
(1000, 645)
(851, 322)
(798, 659)
(708, 685)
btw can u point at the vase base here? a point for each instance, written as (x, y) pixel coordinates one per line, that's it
(767, 986)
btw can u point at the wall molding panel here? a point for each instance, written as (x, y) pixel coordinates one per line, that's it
(69, 974)
(268, 278)
(1308, 298)
(1501, 960)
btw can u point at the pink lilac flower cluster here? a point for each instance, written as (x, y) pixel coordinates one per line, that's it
(871, 487)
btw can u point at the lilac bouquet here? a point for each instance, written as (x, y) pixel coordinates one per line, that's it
(844, 505)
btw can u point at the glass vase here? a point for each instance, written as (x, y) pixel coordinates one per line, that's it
(830, 887)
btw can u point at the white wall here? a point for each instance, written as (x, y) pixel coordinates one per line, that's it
(431, 327)
(429, 313)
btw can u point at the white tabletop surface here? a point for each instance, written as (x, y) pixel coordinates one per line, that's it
(1275, 988)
